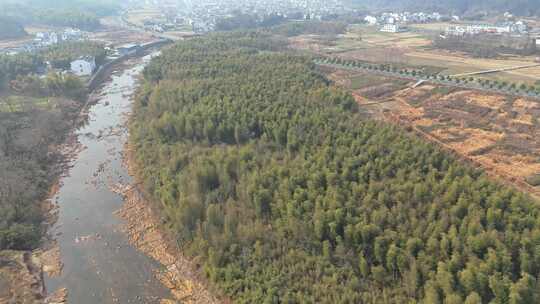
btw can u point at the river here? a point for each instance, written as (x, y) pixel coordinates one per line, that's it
(99, 264)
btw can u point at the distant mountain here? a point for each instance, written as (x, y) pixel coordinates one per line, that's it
(518, 7)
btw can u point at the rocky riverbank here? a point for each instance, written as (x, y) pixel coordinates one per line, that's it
(142, 227)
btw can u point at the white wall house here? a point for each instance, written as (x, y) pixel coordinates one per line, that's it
(371, 20)
(84, 66)
(393, 28)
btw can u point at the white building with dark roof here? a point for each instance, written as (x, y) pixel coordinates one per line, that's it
(83, 66)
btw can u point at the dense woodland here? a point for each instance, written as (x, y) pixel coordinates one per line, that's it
(324, 28)
(270, 177)
(280, 25)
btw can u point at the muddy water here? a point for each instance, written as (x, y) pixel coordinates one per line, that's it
(99, 264)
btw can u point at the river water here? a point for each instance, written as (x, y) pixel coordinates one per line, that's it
(100, 266)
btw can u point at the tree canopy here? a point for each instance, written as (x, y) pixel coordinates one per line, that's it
(270, 177)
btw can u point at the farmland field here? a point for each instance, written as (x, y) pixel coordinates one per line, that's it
(139, 16)
(414, 49)
(15, 103)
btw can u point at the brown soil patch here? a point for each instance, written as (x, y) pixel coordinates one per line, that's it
(517, 165)
(467, 140)
(489, 101)
(497, 132)
(20, 278)
(424, 122)
(525, 119)
(341, 77)
(526, 104)
(50, 258)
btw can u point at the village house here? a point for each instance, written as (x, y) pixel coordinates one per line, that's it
(371, 20)
(83, 66)
(393, 28)
(518, 27)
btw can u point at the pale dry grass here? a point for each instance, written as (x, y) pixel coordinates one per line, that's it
(516, 165)
(489, 101)
(526, 104)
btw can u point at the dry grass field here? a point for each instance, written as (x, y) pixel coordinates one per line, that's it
(140, 15)
(414, 49)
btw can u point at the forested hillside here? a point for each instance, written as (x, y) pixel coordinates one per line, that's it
(521, 7)
(268, 176)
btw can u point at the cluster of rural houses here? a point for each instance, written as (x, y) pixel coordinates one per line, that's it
(203, 15)
(403, 18)
(86, 65)
(396, 22)
(513, 30)
(518, 27)
(44, 39)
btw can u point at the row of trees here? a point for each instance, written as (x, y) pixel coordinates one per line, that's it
(506, 86)
(283, 192)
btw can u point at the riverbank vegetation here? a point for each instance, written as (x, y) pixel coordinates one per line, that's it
(36, 113)
(29, 127)
(267, 175)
